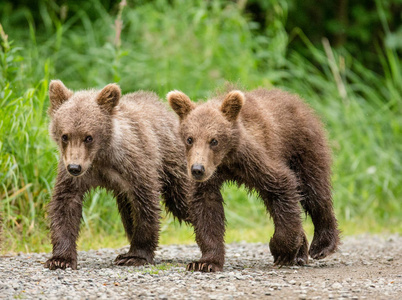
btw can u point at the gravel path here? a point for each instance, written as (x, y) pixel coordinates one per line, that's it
(366, 267)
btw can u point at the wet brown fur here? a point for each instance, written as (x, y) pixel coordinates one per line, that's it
(273, 143)
(133, 152)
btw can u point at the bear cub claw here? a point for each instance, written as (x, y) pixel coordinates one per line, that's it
(60, 263)
(286, 260)
(321, 249)
(203, 267)
(129, 260)
(284, 257)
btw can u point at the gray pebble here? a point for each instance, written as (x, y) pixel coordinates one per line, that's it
(336, 286)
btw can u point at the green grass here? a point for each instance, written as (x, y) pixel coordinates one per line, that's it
(194, 46)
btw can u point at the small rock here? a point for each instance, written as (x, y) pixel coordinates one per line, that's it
(336, 286)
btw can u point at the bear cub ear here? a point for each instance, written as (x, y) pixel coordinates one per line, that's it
(109, 97)
(232, 105)
(58, 94)
(180, 103)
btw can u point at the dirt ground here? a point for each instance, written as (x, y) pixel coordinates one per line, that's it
(365, 267)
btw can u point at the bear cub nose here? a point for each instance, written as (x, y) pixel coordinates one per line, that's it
(74, 170)
(197, 171)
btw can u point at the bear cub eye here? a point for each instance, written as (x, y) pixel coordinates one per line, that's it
(88, 139)
(213, 142)
(189, 141)
(64, 138)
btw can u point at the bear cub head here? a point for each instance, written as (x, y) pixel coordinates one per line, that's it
(209, 131)
(81, 123)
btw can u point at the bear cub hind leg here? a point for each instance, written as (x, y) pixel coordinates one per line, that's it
(317, 202)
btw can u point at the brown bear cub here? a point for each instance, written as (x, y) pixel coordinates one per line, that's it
(127, 145)
(271, 142)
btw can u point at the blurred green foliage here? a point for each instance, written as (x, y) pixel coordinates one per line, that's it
(196, 46)
(359, 26)
(353, 25)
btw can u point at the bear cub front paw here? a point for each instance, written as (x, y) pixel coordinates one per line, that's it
(130, 260)
(61, 263)
(203, 267)
(288, 252)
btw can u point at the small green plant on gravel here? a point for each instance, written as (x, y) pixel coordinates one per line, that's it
(155, 269)
(20, 296)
